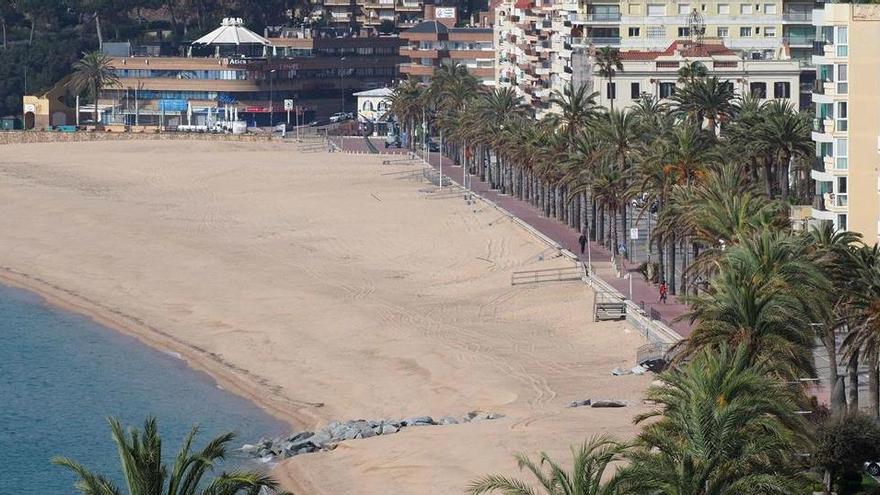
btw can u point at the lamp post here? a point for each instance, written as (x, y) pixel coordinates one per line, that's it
(342, 84)
(271, 98)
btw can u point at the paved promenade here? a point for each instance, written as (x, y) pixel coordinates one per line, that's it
(643, 293)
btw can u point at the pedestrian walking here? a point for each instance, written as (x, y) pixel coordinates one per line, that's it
(582, 240)
(664, 291)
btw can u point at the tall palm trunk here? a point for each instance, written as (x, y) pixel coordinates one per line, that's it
(873, 392)
(670, 280)
(784, 178)
(852, 369)
(768, 180)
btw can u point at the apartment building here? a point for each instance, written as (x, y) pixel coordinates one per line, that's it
(847, 126)
(436, 41)
(655, 72)
(534, 52)
(347, 13)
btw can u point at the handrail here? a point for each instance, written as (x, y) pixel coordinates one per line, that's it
(546, 275)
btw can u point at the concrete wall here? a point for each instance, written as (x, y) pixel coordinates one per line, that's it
(24, 137)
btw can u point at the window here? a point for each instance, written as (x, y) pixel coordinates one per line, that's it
(667, 89)
(841, 41)
(635, 9)
(842, 85)
(684, 32)
(656, 32)
(635, 91)
(782, 89)
(723, 31)
(746, 8)
(656, 9)
(770, 31)
(723, 9)
(611, 91)
(770, 8)
(841, 222)
(634, 32)
(841, 185)
(840, 153)
(745, 32)
(758, 89)
(841, 117)
(684, 9)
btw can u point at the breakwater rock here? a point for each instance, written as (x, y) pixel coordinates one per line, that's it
(306, 442)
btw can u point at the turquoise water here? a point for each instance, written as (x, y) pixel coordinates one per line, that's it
(62, 374)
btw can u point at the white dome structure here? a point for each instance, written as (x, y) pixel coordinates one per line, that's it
(232, 32)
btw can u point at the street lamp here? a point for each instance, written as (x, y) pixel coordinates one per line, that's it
(342, 83)
(271, 99)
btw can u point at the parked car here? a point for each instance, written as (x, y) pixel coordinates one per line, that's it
(392, 141)
(433, 147)
(339, 117)
(873, 468)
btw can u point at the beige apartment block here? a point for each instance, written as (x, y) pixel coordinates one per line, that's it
(847, 126)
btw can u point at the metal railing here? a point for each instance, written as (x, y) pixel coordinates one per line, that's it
(599, 17)
(800, 39)
(818, 202)
(797, 16)
(819, 164)
(596, 40)
(547, 275)
(819, 86)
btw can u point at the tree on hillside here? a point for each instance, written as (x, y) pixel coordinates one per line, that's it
(140, 455)
(94, 72)
(843, 443)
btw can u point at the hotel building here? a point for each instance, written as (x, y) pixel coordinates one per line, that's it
(436, 41)
(234, 69)
(847, 126)
(655, 72)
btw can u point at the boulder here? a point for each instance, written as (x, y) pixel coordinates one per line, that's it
(579, 403)
(418, 421)
(620, 372)
(448, 420)
(300, 436)
(608, 403)
(389, 428)
(321, 438)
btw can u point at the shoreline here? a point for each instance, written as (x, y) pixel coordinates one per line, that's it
(222, 373)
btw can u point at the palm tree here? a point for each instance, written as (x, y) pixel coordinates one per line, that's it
(577, 108)
(784, 134)
(405, 106)
(723, 427)
(608, 60)
(764, 297)
(692, 71)
(862, 317)
(140, 453)
(591, 460)
(706, 99)
(93, 72)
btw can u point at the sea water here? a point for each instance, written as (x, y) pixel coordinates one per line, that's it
(62, 375)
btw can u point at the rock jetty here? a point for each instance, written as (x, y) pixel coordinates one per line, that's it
(306, 442)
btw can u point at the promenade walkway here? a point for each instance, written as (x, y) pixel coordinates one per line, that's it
(643, 293)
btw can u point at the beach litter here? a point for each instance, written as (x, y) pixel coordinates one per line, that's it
(327, 438)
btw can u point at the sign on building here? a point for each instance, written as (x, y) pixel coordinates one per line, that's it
(634, 233)
(288, 105)
(445, 13)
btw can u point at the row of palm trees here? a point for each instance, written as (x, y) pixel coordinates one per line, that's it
(719, 175)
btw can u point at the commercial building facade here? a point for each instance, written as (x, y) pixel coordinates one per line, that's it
(847, 126)
(317, 69)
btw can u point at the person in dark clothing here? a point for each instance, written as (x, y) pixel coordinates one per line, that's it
(582, 240)
(664, 291)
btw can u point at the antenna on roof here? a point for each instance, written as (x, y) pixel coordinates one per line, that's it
(696, 27)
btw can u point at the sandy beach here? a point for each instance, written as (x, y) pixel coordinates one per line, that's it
(323, 289)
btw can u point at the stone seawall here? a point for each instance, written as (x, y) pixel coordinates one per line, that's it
(25, 137)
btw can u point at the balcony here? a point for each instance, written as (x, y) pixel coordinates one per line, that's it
(819, 87)
(819, 47)
(819, 164)
(799, 39)
(818, 202)
(595, 40)
(337, 2)
(800, 17)
(594, 18)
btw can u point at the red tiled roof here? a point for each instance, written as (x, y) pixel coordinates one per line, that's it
(686, 48)
(523, 4)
